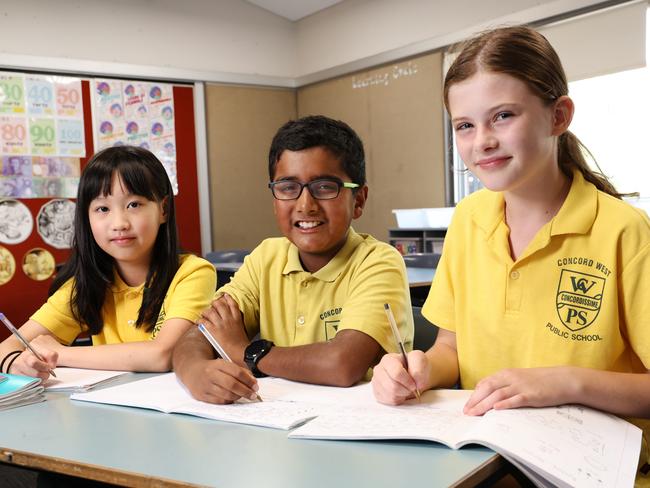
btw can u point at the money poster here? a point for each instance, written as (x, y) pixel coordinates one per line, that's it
(139, 114)
(40, 117)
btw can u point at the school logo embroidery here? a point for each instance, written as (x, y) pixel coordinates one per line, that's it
(331, 321)
(331, 326)
(579, 297)
(159, 322)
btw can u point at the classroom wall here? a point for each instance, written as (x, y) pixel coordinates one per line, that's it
(204, 35)
(354, 30)
(397, 110)
(241, 122)
(234, 41)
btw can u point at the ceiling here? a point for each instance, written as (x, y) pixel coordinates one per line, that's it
(294, 9)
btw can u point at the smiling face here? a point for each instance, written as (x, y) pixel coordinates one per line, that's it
(125, 226)
(505, 134)
(318, 228)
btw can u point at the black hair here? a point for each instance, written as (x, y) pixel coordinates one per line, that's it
(90, 267)
(320, 131)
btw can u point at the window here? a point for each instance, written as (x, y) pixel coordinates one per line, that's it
(611, 120)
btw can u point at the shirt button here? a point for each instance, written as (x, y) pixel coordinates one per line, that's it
(514, 275)
(301, 320)
(131, 322)
(305, 284)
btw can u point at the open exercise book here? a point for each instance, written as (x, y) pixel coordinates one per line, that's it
(166, 394)
(16, 390)
(78, 379)
(562, 446)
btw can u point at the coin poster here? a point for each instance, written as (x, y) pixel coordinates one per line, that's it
(55, 223)
(7, 265)
(16, 222)
(138, 114)
(38, 264)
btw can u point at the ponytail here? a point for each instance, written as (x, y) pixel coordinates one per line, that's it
(571, 155)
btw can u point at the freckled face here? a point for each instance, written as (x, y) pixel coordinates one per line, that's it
(318, 228)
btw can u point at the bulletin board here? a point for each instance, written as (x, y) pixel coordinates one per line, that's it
(22, 296)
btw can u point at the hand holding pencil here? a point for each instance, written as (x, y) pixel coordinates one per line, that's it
(217, 347)
(398, 377)
(24, 342)
(399, 341)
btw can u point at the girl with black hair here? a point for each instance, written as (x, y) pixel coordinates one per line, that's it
(126, 282)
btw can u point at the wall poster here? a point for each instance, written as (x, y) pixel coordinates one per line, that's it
(139, 114)
(41, 135)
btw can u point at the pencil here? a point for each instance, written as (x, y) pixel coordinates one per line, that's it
(398, 339)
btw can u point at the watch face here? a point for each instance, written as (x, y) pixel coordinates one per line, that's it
(257, 348)
(255, 351)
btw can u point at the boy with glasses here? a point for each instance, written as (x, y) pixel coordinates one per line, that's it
(316, 296)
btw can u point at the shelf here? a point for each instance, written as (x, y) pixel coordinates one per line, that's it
(409, 241)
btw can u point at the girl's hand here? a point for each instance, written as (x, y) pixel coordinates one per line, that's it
(523, 387)
(29, 365)
(393, 385)
(224, 320)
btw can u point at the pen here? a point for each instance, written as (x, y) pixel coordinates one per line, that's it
(15, 332)
(398, 339)
(218, 348)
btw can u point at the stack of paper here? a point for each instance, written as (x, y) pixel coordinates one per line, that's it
(18, 390)
(76, 379)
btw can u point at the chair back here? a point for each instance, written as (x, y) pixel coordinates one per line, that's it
(228, 256)
(421, 260)
(425, 332)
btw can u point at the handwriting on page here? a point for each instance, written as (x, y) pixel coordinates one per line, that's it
(571, 440)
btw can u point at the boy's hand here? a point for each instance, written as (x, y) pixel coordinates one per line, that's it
(393, 385)
(224, 320)
(220, 381)
(29, 365)
(522, 387)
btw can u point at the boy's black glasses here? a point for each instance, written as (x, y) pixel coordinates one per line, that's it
(321, 189)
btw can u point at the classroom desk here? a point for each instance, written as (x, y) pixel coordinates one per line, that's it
(136, 447)
(420, 276)
(416, 276)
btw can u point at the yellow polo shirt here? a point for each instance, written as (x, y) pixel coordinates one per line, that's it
(292, 307)
(578, 295)
(190, 292)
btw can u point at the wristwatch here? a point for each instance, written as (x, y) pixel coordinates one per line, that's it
(255, 351)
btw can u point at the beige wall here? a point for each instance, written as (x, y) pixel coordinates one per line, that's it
(397, 111)
(241, 122)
